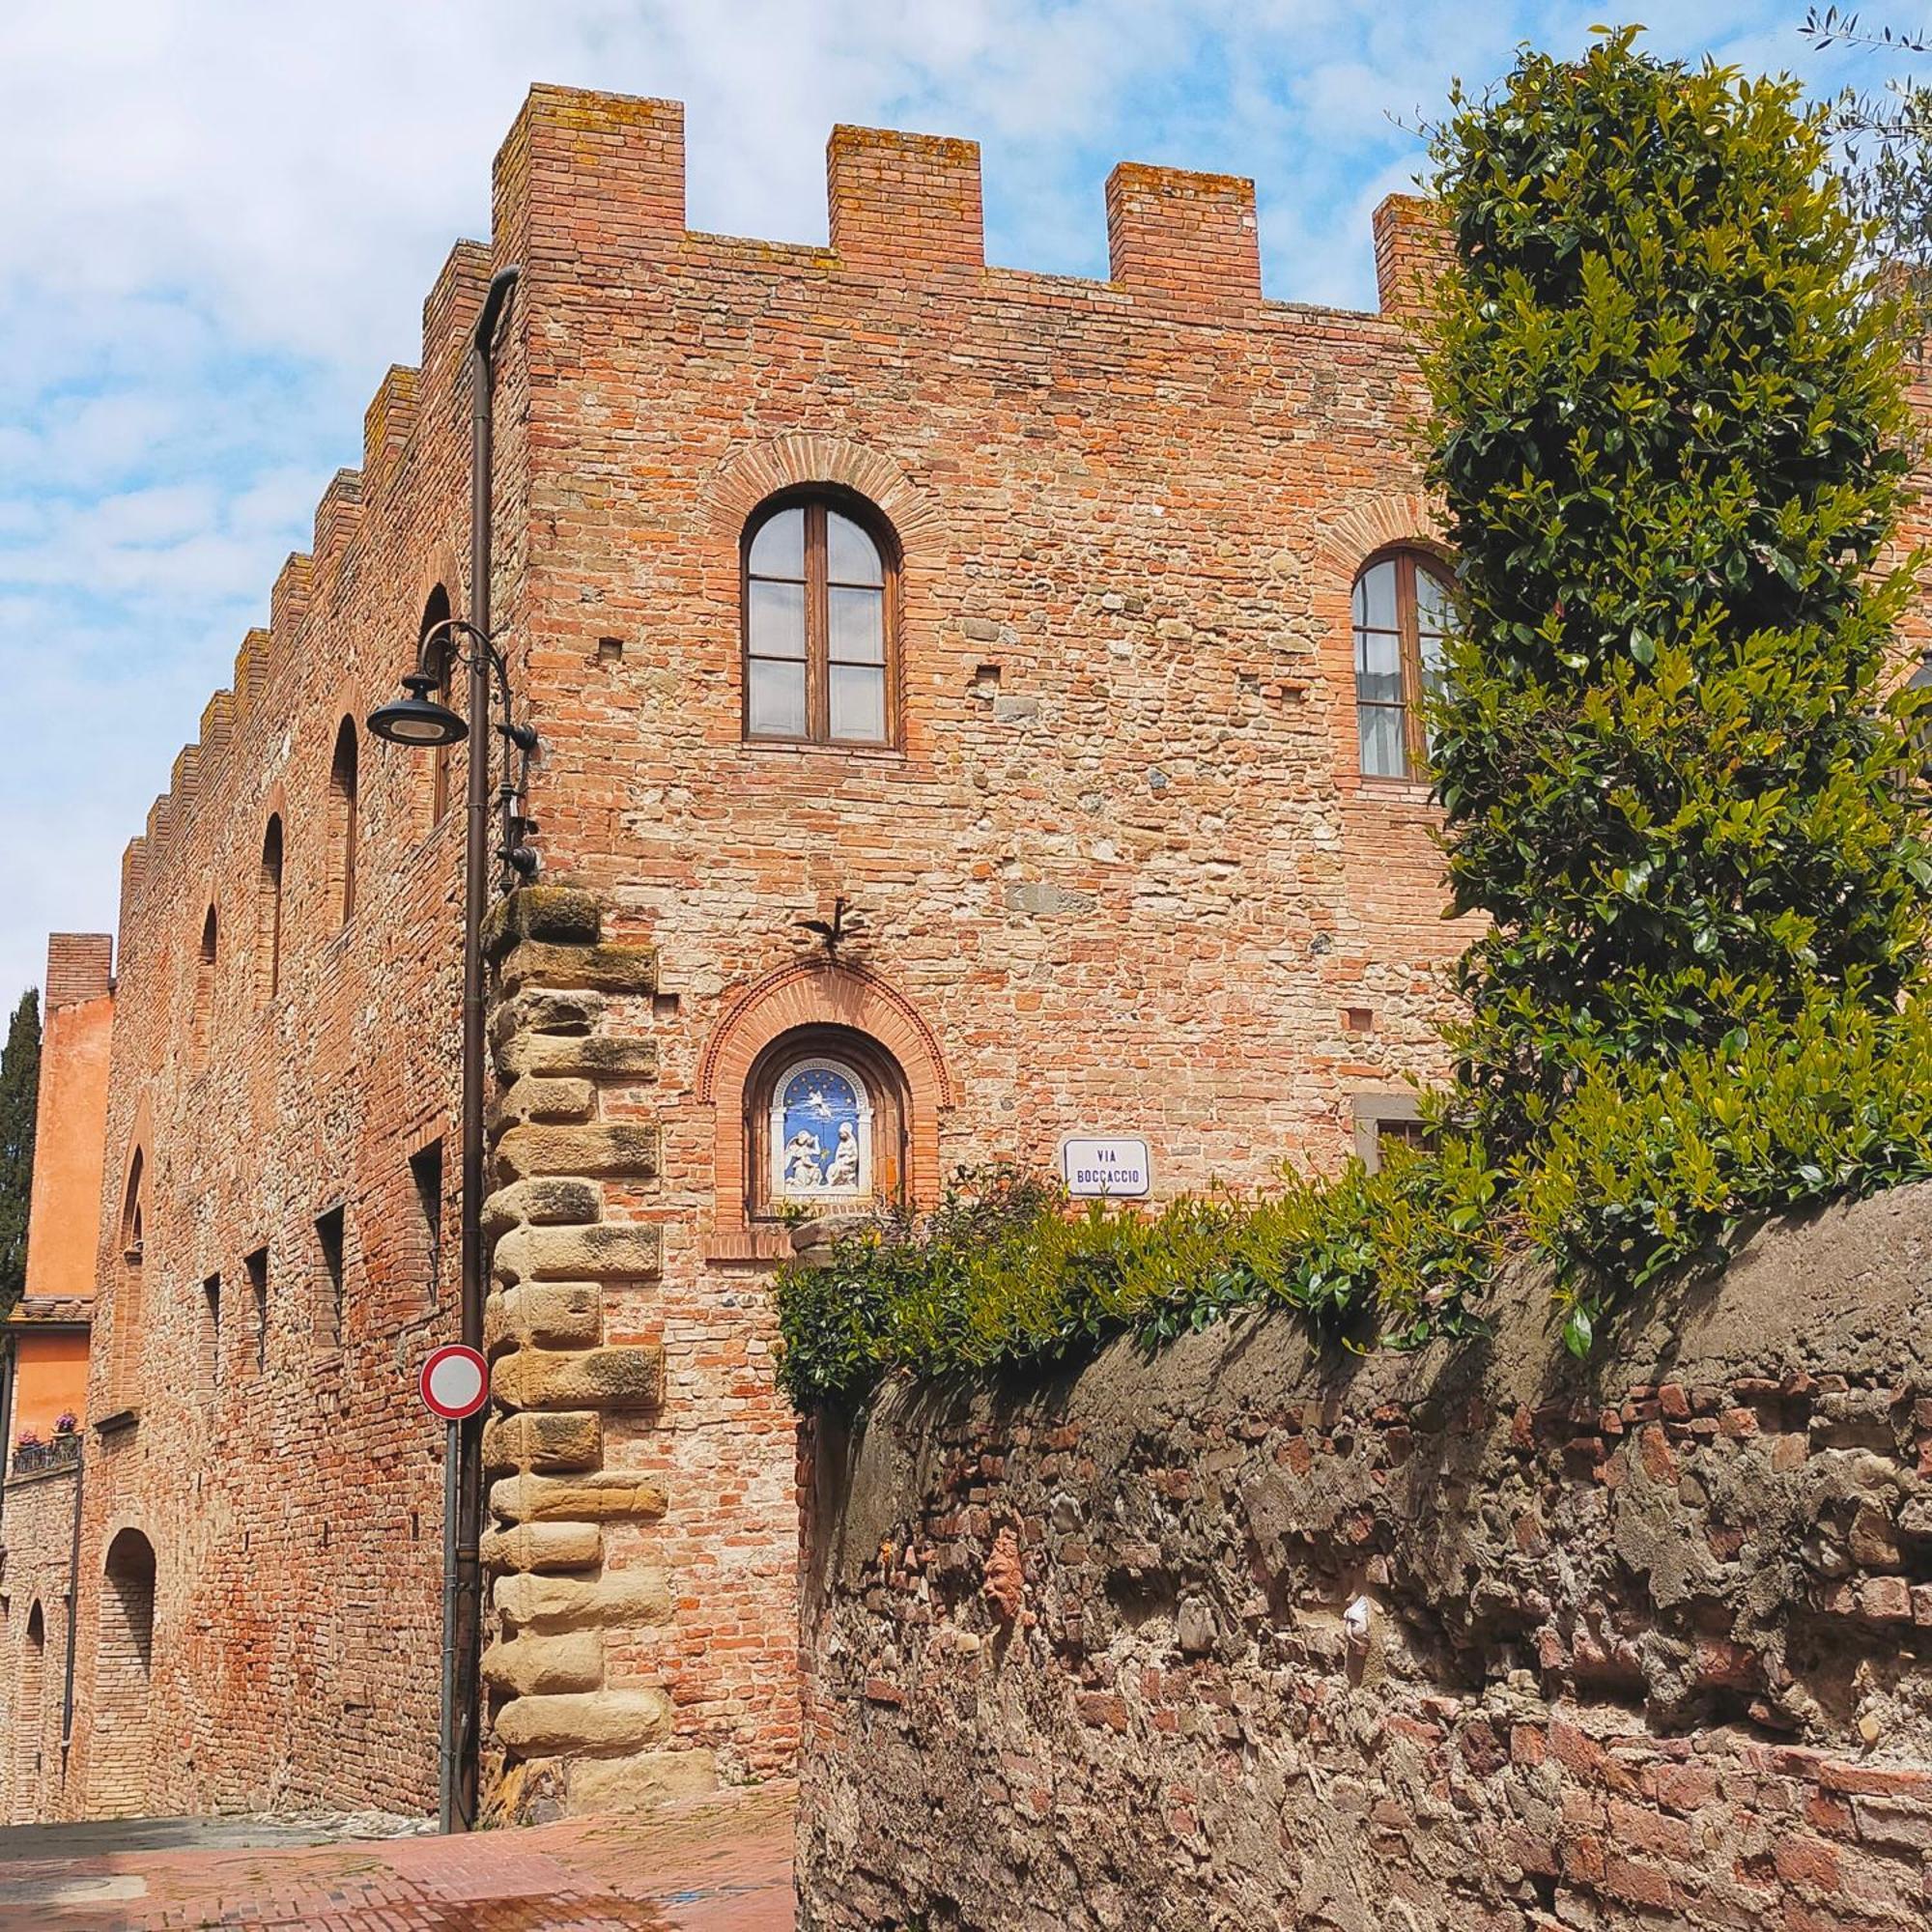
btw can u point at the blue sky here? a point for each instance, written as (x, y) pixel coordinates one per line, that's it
(219, 221)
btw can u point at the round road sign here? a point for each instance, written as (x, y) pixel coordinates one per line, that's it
(455, 1383)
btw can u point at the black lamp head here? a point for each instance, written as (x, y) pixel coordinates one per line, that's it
(419, 719)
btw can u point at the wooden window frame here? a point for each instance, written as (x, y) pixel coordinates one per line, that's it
(887, 1090)
(1406, 558)
(815, 501)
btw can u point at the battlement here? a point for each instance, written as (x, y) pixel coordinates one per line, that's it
(80, 967)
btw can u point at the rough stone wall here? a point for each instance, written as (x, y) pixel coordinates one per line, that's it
(38, 1529)
(1646, 1643)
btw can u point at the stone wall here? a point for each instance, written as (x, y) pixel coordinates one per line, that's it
(1242, 1636)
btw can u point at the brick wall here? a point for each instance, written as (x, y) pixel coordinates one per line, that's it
(1646, 1643)
(36, 1534)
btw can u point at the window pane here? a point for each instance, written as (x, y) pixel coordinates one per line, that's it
(778, 548)
(1431, 600)
(1381, 741)
(774, 692)
(859, 704)
(858, 625)
(1378, 668)
(777, 619)
(1374, 597)
(850, 555)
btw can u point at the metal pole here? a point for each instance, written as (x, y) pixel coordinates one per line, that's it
(463, 1713)
(446, 1794)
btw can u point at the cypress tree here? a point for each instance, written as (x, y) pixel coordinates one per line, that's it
(20, 1099)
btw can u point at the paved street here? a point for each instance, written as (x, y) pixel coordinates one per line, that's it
(720, 1865)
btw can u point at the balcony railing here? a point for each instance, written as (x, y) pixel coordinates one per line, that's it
(60, 1452)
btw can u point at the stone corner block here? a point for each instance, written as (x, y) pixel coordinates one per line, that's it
(544, 1314)
(542, 1546)
(615, 1378)
(604, 1251)
(528, 1666)
(640, 1782)
(597, 969)
(583, 1721)
(621, 1600)
(557, 915)
(596, 1496)
(617, 1147)
(546, 1201)
(542, 1441)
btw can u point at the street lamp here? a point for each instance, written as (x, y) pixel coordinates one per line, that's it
(419, 719)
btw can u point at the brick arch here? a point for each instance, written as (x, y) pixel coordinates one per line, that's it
(741, 484)
(817, 992)
(1345, 542)
(121, 1707)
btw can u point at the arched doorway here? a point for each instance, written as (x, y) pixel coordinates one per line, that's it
(122, 1729)
(30, 1685)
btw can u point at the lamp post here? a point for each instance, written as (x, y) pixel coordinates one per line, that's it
(419, 719)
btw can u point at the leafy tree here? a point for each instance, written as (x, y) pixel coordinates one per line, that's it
(20, 1097)
(1670, 436)
(1885, 153)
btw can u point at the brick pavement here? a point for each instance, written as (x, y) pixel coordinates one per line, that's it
(720, 1864)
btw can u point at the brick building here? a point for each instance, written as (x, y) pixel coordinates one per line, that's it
(1003, 620)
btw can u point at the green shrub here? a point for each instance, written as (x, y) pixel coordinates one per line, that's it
(1007, 1273)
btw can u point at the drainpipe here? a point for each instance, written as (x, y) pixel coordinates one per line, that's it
(464, 1714)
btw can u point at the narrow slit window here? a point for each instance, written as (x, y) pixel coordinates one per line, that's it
(426, 1171)
(256, 1268)
(330, 1232)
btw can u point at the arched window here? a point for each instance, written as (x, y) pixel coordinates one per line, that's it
(440, 659)
(204, 982)
(825, 1118)
(129, 1312)
(1401, 607)
(342, 806)
(30, 1718)
(269, 912)
(820, 595)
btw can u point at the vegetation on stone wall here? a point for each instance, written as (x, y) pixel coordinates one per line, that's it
(20, 1099)
(1667, 436)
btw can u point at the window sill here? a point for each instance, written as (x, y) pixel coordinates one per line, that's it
(750, 1244)
(120, 1420)
(1395, 791)
(829, 748)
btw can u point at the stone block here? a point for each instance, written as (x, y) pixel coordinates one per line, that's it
(543, 1440)
(557, 915)
(607, 1784)
(604, 1251)
(547, 1102)
(600, 1496)
(618, 1600)
(629, 1377)
(557, 1314)
(626, 1148)
(548, 1201)
(598, 1057)
(543, 1546)
(583, 1721)
(544, 1009)
(597, 969)
(530, 1666)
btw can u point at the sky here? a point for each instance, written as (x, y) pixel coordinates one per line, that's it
(218, 219)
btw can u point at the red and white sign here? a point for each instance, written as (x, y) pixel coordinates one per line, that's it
(455, 1383)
